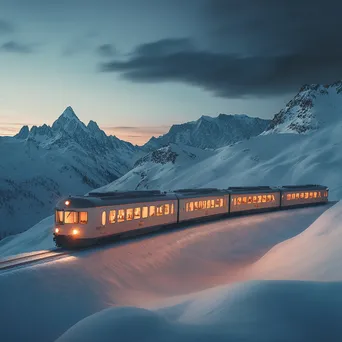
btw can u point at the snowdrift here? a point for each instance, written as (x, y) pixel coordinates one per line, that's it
(253, 311)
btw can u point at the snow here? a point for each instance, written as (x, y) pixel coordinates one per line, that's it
(186, 284)
(37, 238)
(210, 132)
(47, 163)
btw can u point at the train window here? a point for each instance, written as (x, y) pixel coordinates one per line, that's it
(293, 196)
(152, 210)
(200, 205)
(212, 204)
(217, 202)
(59, 216)
(259, 199)
(255, 199)
(269, 198)
(103, 218)
(186, 206)
(160, 210)
(70, 217)
(297, 195)
(112, 216)
(288, 197)
(137, 213)
(263, 199)
(315, 194)
(238, 200)
(129, 214)
(250, 199)
(301, 195)
(121, 215)
(144, 212)
(191, 206)
(306, 195)
(318, 194)
(172, 209)
(167, 209)
(311, 194)
(83, 215)
(196, 205)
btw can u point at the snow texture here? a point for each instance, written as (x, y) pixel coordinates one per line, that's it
(180, 284)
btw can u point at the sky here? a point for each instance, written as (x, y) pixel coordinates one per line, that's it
(136, 67)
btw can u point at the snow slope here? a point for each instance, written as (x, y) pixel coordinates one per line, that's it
(40, 165)
(320, 253)
(209, 132)
(148, 272)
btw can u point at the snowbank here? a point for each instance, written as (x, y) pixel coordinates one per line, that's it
(315, 254)
(254, 311)
(39, 237)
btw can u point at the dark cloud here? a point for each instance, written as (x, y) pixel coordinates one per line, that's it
(16, 47)
(5, 27)
(246, 48)
(106, 50)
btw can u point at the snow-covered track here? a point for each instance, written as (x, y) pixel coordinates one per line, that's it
(29, 258)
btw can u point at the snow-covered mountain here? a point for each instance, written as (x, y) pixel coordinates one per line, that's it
(209, 132)
(315, 106)
(272, 158)
(41, 164)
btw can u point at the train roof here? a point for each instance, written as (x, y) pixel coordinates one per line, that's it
(97, 199)
(199, 192)
(303, 187)
(251, 189)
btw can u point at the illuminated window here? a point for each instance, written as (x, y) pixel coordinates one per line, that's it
(172, 209)
(318, 194)
(112, 216)
(244, 200)
(83, 215)
(121, 215)
(191, 206)
(221, 202)
(103, 219)
(239, 200)
(301, 195)
(204, 204)
(208, 204)
(137, 213)
(186, 206)
(59, 216)
(217, 203)
(255, 199)
(144, 212)
(269, 198)
(310, 194)
(167, 209)
(315, 194)
(263, 199)
(259, 199)
(70, 217)
(152, 210)
(129, 214)
(306, 195)
(288, 197)
(212, 203)
(234, 201)
(200, 205)
(196, 205)
(160, 210)
(273, 198)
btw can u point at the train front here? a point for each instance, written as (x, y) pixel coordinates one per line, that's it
(71, 220)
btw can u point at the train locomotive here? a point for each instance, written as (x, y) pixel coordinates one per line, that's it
(85, 220)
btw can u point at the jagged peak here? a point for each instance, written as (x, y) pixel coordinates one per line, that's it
(69, 113)
(23, 133)
(92, 125)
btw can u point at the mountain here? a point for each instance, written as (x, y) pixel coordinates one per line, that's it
(314, 107)
(40, 164)
(209, 132)
(310, 154)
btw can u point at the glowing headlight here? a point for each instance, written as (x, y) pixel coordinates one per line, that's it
(75, 232)
(56, 230)
(67, 202)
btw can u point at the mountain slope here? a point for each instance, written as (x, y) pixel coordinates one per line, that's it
(272, 159)
(42, 164)
(315, 106)
(208, 132)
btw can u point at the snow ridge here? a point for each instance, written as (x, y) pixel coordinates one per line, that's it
(209, 132)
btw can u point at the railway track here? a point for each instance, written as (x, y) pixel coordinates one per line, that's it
(29, 258)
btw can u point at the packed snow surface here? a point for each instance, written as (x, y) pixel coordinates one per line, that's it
(180, 284)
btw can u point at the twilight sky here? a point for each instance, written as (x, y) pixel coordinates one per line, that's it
(138, 66)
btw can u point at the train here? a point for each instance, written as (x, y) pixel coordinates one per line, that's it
(86, 220)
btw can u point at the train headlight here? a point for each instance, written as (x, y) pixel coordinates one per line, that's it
(56, 230)
(67, 202)
(75, 232)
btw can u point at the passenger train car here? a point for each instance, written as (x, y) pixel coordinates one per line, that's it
(83, 220)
